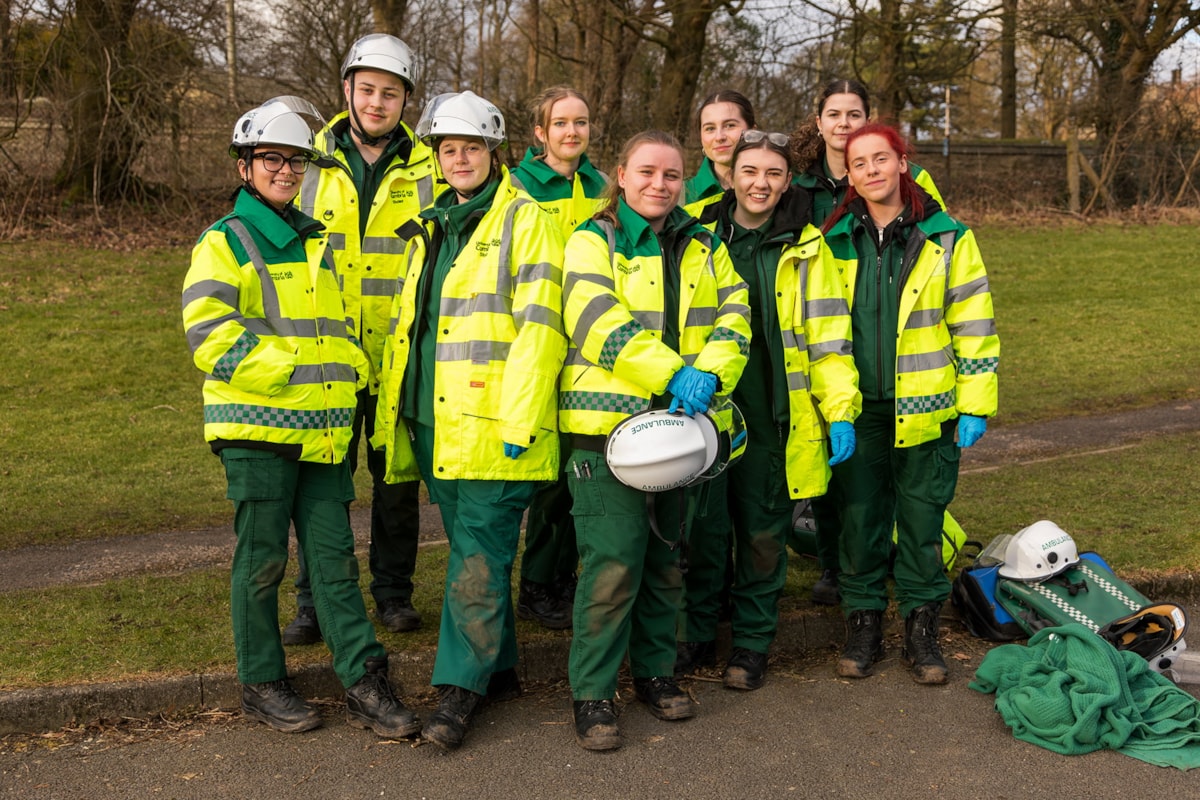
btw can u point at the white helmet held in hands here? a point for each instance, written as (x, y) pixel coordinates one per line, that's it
(1038, 552)
(463, 114)
(383, 52)
(656, 451)
(278, 121)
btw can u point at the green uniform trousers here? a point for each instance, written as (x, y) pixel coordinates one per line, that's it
(755, 494)
(478, 634)
(395, 520)
(630, 585)
(270, 493)
(881, 485)
(550, 551)
(829, 525)
(709, 540)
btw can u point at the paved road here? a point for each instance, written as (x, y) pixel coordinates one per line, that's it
(805, 734)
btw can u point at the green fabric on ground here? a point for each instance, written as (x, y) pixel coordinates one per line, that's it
(1072, 692)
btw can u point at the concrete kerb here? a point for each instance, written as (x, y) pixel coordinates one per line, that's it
(804, 630)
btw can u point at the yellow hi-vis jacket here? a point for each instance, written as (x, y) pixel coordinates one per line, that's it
(369, 263)
(500, 347)
(613, 309)
(947, 347)
(264, 319)
(812, 315)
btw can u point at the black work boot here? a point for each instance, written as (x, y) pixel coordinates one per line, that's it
(304, 629)
(864, 644)
(398, 616)
(825, 591)
(565, 585)
(503, 686)
(596, 725)
(541, 603)
(664, 698)
(371, 703)
(448, 725)
(746, 669)
(921, 650)
(275, 703)
(689, 656)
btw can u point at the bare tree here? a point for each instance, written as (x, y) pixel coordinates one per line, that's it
(1121, 40)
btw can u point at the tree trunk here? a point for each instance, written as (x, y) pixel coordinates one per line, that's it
(1008, 70)
(101, 144)
(682, 64)
(390, 16)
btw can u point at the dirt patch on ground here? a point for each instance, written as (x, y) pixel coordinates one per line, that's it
(91, 562)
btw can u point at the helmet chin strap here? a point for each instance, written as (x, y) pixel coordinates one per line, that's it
(356, 125)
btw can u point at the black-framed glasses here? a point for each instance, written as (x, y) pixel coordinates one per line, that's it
(273, 162)
(754, 136)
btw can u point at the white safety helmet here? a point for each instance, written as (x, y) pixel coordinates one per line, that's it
(1038, 552)
(279, 121)
(383, 52)
(461, 114)
(656, 451)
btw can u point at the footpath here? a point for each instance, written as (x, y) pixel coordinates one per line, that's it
(803, 628)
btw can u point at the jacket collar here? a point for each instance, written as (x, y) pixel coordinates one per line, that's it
(279, 230)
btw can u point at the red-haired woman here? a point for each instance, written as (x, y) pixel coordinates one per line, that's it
(926, 350)
(819, 152)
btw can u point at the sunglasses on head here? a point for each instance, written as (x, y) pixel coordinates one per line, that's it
(754, 136)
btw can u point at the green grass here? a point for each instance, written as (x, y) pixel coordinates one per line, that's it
(102, 410)
(1135, 506)
(174, 625)
(1093, 317)
(102, 430)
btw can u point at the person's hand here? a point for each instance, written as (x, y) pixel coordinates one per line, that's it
(970, 429)
(513, 451)
(691, 389)
(841, 441)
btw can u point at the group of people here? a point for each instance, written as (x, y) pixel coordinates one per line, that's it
(489, 329)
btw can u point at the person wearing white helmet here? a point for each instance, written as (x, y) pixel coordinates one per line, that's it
(658, 319)
(468, 400)
(373, 176)
(265, 322)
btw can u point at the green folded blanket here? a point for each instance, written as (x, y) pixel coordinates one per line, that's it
(1072, 692)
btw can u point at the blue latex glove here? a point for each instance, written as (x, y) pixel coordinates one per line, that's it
(970, 429)
(513, 450)
(841, 441)
(691, 389)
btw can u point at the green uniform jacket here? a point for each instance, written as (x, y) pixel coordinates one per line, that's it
(369, 262)
(568, 202)
(613, 308)
(702, 189)
(947, 349)
(811, 315)
(264, 319)
(827, 193)
(500, 346)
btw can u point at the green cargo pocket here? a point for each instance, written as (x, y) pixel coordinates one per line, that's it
(253, 474)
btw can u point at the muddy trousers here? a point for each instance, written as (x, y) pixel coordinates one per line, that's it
(269, 494)
(395, 521)
(478, 634)
(629, 582)
(550, 551)
(880, 485)
(759, 509)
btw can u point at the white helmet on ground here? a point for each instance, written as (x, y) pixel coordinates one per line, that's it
(1038, 552)
(278, 121)
(656, 451)
(461, 114)
(383, 52)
